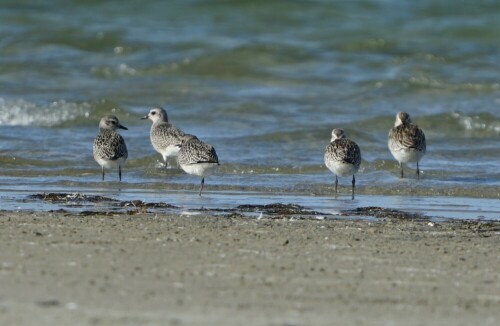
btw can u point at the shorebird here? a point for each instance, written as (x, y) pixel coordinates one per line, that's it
(342, 157)
(406, 141)
(197, 158)
(109, 147)
(165, 137)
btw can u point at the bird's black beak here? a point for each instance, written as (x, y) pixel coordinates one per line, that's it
(122, 127)
(144, 118)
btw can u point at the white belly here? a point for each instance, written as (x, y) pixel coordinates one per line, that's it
(406, 156)
(200, 169)
(109, 164)
(171, 150)
(342, 169)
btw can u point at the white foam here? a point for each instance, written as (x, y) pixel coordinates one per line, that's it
(20, 112)
(476, 122)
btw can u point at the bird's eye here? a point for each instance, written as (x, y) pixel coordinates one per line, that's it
(153, 113)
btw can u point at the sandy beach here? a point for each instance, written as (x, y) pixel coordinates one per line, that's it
(149, 269)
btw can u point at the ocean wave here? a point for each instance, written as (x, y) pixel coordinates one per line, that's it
(432, 83)
(454, 123)
(478, 122)
(20, 112)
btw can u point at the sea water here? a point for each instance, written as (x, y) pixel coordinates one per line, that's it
(264, 82)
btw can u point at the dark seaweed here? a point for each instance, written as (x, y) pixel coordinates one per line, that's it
(141, 204)
(381, 212)
(278, 209)
(75, 197)
(77, 200)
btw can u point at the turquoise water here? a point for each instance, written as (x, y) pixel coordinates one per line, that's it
(264, 82)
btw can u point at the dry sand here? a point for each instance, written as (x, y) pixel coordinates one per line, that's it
(62, 269)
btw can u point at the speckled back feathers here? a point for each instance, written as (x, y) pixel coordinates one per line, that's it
(164, 134)
(109, 145)
(407, 136)
(194, 151)
(343, 150)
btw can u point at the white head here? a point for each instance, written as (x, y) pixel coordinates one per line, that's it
(337, 134)
(402, 118)
(157, 114)
(110, 122)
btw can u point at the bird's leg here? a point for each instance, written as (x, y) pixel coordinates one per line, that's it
(120, 172)
(336, 184)
(102, 167)
(418, 172)
(353, 185)
(401, 167)
(201, 186)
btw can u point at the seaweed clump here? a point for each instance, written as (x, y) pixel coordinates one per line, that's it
(55, 197)
(277, 209)
(381, 212)
(142, 204)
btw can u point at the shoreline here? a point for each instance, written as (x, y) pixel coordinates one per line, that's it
(157, 269)
(317, 207)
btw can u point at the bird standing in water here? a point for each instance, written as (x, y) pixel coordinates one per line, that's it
(165, 137)
(109, 147)
(406, 141)
(197, 158)
(342, 157)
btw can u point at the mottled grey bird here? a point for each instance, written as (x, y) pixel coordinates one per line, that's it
(109, 146)
(197, 158)
(342, 157)
(165, 138)
(406, 141)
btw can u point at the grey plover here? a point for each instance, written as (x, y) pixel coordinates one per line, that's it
(342, 157)
(109, 146)
(406, 141)
(165, 138)
(197, 158)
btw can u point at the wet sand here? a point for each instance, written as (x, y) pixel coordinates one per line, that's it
(158, 269)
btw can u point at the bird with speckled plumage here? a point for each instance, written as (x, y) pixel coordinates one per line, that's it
(342, 157)
(165, 137)
(109, 147)
(197, 158)
(406, 142)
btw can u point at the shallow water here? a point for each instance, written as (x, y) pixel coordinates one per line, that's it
(225, 202)
(264, 82)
